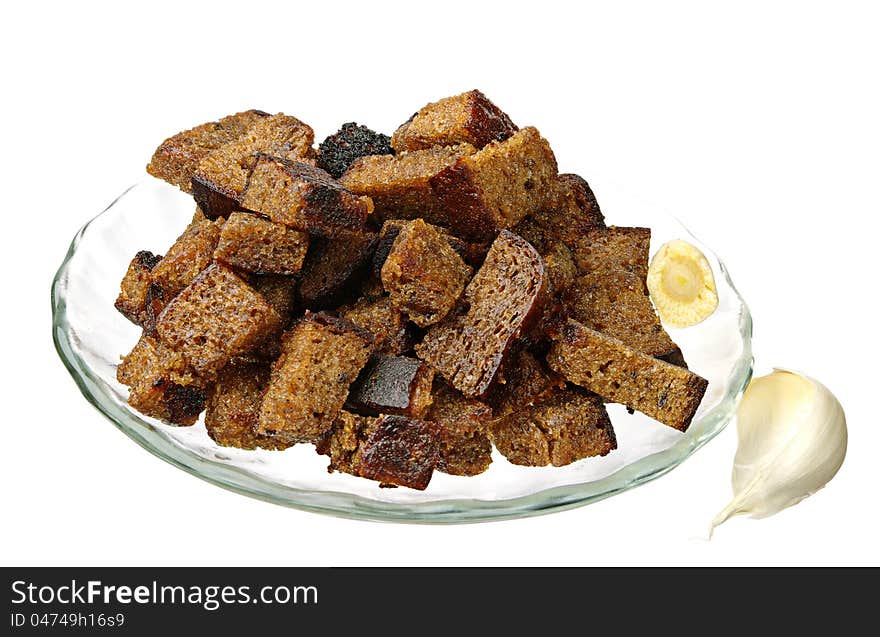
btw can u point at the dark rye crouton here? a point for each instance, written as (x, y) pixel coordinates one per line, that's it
(399, 450)
(341, 441)
(392, 385)
(500, 302)
(568, 425)
(304, 197)
(177, 157)
(320, 357)
(135, 286)
(260, 246)
(351, 142)
(470, 117)
(621, 374)
(522, 381)
(161, 383)
(191, 253)
(399, 185)
(383, 320)
(472, 253)
(233, 406)
(465, 448)
(217, 317)
(334, 267)
(279, 292)
(498, 186)
(611, 295)
(423, 275)
(219, 180)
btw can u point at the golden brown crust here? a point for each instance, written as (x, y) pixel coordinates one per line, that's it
(176, 159)
(470, 117)
(422, 274)
(624, 375)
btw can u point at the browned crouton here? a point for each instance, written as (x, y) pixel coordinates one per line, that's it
(135, 287)
(257, 245)
(217, 317)
(191, 253)
(334, 267)
(392, 385)
(383, 320)
(465, 448)
(399, 450)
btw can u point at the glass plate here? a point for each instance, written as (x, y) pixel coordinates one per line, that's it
(90, 336)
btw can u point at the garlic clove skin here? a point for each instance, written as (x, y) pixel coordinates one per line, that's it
(792, 441)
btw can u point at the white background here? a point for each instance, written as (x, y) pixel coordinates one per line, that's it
(757, 124)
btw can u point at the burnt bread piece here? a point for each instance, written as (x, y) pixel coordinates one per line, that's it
(135, 287)
(469, 117)
(253, 244)
(568, 425)
(465, 448)
(161, 383)
(422, 274)
(220, 179)
(296, 194)
(380, 317)
(216, 318)
(621, 374)
(351, 142)
(176, 159)
(333, 268)
(522, 381)
(399, 185)
(398, 450)
(392, 385)
(191, 253)
(498, 186)
(501, 301)
(233, 406)
(320, 357)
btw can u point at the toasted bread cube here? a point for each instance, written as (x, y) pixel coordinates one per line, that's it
(465, 448)
(257, 245)
(177, 157)
(279, 292)
(560, 272)
(161, 383)
(522, 381)
(399, 185)
(472, 253)
(233, 407)
(502, 300)
(613, 249)
(342, 440)
(399, 450)
(621, 374)
(334, 267)
(217, 317)
(135, 286)
(351, 142)
(392, 385)
(383, 320)
(423, 275)
(219, 181)
(320, 357)
(569, 212)
(568, 425)
(496, 187)
(470, 117)
(191, 253)
(305, 197)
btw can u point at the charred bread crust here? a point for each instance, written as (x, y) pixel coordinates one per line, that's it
(351, 142)
(399, 450)
(135, 287)
(391, 385)
(333, 269)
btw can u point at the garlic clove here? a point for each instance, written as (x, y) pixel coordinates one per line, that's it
(792, 441)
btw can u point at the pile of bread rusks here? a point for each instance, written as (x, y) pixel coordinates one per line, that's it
(404, 303)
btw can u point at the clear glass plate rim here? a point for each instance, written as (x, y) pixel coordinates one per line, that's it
(352, 506)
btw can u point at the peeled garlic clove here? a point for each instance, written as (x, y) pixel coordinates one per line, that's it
(792, 440)
(681, 284)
